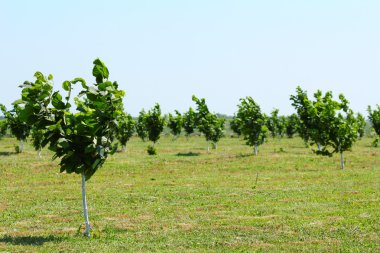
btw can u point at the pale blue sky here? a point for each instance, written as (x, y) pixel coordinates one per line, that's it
(165, 51)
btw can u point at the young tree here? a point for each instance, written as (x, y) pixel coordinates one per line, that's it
(208, 123)
(140, 125)
(126, 129)
(252, 123)
(189, 121)
(154, 125)
(19, 129)
(292, 125)
(331, 123)
(273, 122)
(374, 118)
(83, 140)
(281, 127)
(175, 124)
(361, 124)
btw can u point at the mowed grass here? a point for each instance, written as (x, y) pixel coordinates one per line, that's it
(286, 199)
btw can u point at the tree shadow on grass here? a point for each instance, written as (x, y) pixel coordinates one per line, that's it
(188, 154)
(7, 153)
(29, 240)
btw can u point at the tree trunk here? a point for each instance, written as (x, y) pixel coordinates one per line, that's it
(22, 146)
(124, 148)
(85, 211)
(208, 147)
(319, 147)
(342, 160)
(255, 149)
(214, 145)
(39, 153)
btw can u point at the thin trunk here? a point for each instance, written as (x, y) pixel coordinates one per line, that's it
(22, 146)
(39, 153)
(214, 145)
(123, 148)
(85, 211)
(255, 149)
(342, 160)
(208, 147)
(319, 147)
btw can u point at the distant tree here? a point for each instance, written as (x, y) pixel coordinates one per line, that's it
(19, 129)
(281, 127)
(374, 117)
(208, 123)
(361, 124)
(273, 122)
(189, 121)
(175, 124)
(141, 126)
(234, 124)
(154, 125)
(292, 125)
(126, 129)
(252, 123)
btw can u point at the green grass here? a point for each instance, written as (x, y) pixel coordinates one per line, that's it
(184, 200)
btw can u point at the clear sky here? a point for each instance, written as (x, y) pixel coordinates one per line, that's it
(165, 51)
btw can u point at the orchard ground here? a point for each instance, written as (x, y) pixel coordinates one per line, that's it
(285, 199)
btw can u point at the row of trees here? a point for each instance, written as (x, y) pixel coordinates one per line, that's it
(313, 122)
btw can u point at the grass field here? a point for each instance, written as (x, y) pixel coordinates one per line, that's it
(184, 200)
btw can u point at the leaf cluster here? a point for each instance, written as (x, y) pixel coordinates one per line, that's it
(84, 139)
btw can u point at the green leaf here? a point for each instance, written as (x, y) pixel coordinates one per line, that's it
(57, 101)
(50, 77)
(66, 85)
(81, 80)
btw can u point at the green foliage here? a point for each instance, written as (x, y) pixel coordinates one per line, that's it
(252, 122)
(3, 128)
(234, 124)
(303, 106)
(273, 122)
(374, 117)
(189, 121)
(154, 123)
(83, 140)
(37, 138)
(361, 124)
(281, 127)
(208, 123)
(126, 128)
(14, 122)
(330, 123)
(292, 125)
(175, 123)
(140, 125)
(151, 150)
